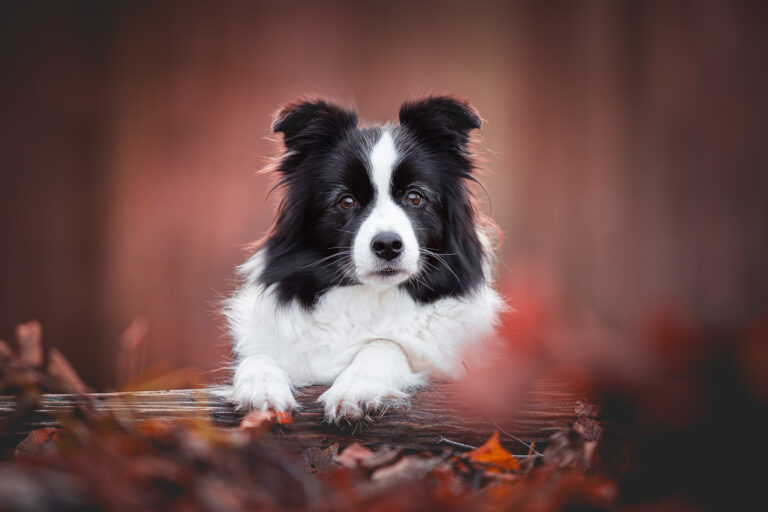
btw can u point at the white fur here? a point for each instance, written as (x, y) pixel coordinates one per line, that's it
(385, 216)
(262, 385)
(371, 342)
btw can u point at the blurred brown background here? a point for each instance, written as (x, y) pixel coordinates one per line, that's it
(626, 149)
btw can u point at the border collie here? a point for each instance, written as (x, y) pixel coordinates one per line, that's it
(377, 271)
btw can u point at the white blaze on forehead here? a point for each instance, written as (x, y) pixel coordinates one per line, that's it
(383, 158)
(385, 216)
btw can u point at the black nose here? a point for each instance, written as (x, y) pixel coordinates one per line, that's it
(387, 245)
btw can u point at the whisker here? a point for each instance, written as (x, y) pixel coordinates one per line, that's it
(440, 259)
(422, 282)
(435, 253)
(330, 257)
(430, 265)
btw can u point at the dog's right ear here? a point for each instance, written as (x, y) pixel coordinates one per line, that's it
(312, 123)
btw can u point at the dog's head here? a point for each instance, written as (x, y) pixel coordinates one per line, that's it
(381, 205)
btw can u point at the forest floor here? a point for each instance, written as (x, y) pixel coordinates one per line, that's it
(652, 444)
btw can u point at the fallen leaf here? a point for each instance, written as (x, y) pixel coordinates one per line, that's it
(40, 441)
(409, 467)
(283, 417)
(59, 368)
(354, 456)
(29, 337)
(318, 460)
(560, 450)
(6, 354)
(382, 457)
(358, 456)
(493, 453)
(584, 408)
(588, 428)
(156, 428)
(260, 421)
(588, 453)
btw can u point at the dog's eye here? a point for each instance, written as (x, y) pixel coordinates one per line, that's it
(414, 198)
(347, 202)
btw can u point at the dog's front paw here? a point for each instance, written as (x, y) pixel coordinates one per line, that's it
(262, 390)
(353, 398)
(262, 395)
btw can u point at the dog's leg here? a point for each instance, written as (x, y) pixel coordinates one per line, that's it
(260, 384)
(377, 378)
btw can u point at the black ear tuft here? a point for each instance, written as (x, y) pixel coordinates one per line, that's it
(440, 115)
(308, 123)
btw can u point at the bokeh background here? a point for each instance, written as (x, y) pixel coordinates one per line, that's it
(624, 151)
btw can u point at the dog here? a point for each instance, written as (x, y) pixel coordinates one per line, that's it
(377, 272)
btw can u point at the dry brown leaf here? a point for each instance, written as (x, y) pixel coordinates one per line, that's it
(358, 456)
(408, 468)
(584, 408)
(6, 354)
(40, 441)
(256, 422)
(24, 367)
(588, 428)
(560, 451)
(493, 453)
(319, 460)
(354, 455)
(30, 341)
(156, 428)
(383, 456)
(59, 368)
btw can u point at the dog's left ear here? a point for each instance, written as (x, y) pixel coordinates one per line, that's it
(307, 124)
(437, 117)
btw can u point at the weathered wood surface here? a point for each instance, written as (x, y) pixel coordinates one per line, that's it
(434, 413)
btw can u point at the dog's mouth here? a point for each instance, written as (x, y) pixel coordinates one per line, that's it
(388, 273)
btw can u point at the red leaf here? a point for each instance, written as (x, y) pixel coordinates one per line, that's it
(493, 453)
(40, 441)
(258, 421)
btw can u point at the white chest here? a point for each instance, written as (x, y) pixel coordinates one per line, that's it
(314, 346)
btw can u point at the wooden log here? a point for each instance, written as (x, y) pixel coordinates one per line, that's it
(434, 413)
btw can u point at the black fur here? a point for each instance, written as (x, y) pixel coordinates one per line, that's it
(326, 158)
